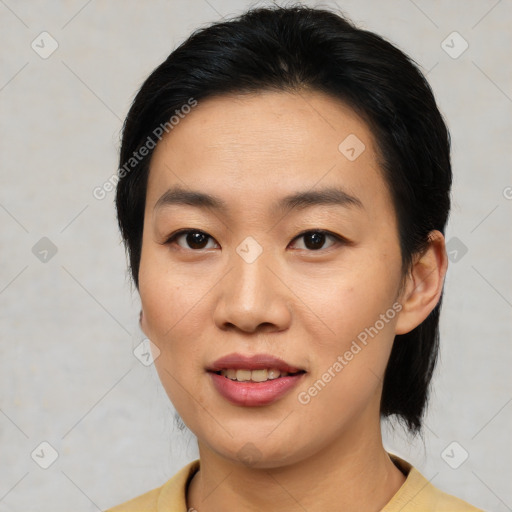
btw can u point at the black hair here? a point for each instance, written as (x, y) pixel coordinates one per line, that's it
(302, 48)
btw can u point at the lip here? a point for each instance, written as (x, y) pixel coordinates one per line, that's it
(253, 394)
(252, 362)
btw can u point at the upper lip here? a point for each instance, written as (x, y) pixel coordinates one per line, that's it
(252, 362)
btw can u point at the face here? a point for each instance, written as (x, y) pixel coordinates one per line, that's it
(290, 263)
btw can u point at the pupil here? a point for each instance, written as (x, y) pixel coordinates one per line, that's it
(317, 239)
(313, 241)
(196, 240)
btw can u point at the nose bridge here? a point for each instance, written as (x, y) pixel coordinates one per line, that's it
(251, 294)
(250, 272)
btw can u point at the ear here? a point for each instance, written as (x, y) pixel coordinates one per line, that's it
(424, 284)
(142, 322)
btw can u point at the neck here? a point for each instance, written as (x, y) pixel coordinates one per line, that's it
(354, 474)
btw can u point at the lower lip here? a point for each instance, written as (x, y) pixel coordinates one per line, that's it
(254, 394)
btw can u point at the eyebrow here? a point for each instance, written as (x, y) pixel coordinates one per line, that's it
(299, 200)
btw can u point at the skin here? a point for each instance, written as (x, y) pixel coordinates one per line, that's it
(303, 305)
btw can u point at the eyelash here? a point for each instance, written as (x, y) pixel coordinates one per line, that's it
(338, 239)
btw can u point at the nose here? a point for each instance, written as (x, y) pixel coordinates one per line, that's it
(253, 297)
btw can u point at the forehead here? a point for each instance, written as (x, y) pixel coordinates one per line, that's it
(265, 145)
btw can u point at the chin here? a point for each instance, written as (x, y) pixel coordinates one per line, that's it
(262, 454)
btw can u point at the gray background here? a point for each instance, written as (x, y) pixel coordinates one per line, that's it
(68, 321)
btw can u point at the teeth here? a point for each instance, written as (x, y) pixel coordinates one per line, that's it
(254, 375)
(274, 374)
(230, 374)
(259, 375)
(243, 375)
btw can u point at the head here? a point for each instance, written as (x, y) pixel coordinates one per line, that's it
(311, 167)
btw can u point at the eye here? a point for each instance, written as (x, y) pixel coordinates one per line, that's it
(194, 238)
(315, 239)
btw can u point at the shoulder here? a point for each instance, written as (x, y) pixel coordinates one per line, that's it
(170, 496)
(144, 503)
(418, 494)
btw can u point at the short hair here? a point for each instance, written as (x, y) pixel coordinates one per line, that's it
(299, 48)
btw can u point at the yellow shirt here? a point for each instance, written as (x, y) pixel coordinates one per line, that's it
(416, 494)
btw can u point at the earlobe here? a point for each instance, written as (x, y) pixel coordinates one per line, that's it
(424, 284)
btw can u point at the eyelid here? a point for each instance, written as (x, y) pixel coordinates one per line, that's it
(338, 238)
(172, 237)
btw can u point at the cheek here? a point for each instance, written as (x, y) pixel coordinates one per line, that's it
(174, 302)
(347, 375)
(173, 321)
(168, 295)
(352, 299)
(358, 314)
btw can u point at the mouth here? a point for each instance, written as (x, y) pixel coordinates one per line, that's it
(255, 380)
(247, 375)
